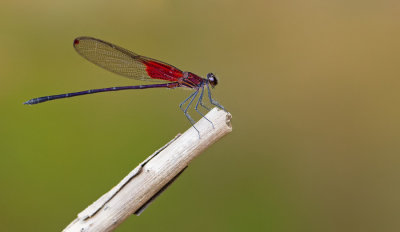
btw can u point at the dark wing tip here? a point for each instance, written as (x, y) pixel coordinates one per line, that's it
(77, 40)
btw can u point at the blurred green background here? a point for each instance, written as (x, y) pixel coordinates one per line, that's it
(312, 86)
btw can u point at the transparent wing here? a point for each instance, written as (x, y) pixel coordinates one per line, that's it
(124, 62)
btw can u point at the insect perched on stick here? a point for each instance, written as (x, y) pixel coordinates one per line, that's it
(129, 64)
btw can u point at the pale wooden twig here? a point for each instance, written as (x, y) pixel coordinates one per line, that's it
(147, 180)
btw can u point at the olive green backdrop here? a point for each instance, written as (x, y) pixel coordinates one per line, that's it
(313, 87)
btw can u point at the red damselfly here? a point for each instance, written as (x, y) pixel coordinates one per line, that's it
(129, 64)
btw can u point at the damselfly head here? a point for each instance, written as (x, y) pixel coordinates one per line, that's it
(212, 79)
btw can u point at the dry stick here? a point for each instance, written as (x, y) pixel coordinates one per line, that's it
(152, 176)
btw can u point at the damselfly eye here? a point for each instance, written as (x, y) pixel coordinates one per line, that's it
(212, 79)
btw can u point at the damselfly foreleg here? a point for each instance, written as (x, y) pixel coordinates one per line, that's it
(212, 101)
